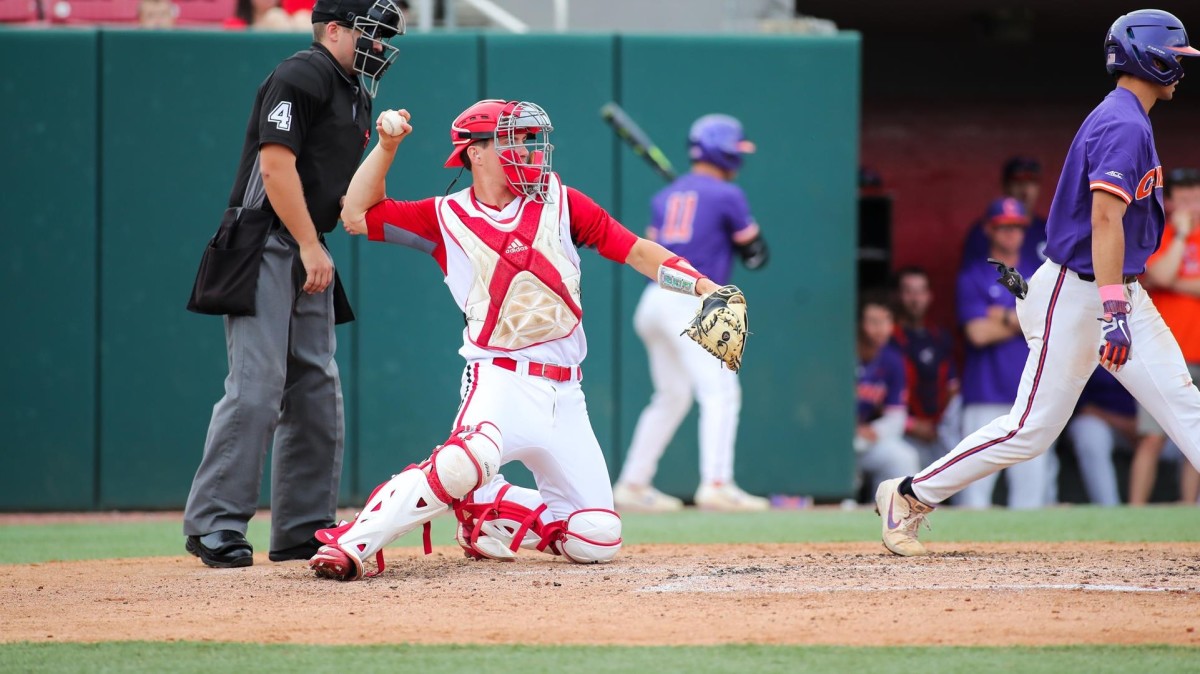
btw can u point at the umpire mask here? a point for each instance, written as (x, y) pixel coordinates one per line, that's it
(372, 52)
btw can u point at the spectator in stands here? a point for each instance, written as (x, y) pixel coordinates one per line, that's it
(929, 363)
(266, 15)
(881, 390)
(1105, 417)
(1021, 179)
(156, 14)
(996, 353)
(1173, 280)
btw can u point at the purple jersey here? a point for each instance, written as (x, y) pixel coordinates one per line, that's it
(881, 383)
(1114, 152)
(696, 217)
(1104, 391)
(990, 374)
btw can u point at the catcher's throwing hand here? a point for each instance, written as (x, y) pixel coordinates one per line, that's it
(720, 325)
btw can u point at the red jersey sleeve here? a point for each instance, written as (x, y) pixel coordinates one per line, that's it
(593, 227)
(408, 223)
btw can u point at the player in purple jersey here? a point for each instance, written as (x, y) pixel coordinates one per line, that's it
(705, 218)
(1105, 221)
(881, 390)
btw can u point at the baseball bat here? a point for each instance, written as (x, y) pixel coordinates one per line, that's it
(628, 131)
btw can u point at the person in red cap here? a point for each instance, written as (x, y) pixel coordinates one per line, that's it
(508, 249)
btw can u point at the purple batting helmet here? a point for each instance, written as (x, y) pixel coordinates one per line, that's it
(1145, 43)
(718, 140)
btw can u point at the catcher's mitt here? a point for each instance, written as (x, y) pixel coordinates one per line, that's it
(720, 325)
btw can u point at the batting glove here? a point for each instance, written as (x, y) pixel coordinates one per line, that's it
(1118, 340)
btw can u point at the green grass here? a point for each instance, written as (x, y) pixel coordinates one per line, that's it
(207, 658)
(36, 543)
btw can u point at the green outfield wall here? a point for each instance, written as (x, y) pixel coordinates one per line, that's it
(120, 149)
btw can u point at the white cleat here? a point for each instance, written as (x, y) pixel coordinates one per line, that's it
(729, 497)
(629, 498)
(902, 515)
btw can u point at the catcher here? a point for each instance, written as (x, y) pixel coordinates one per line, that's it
(507, 247)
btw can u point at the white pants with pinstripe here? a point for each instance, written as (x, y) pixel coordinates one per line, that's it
(546, 427)
(1059, 320)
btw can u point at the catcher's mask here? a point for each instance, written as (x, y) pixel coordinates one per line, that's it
(520, 132)
(373, 53)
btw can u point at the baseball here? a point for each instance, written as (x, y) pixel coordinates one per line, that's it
(392, 122)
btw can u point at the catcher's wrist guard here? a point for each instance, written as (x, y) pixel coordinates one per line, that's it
(1011, 279)
(721, 325)
(678, 275)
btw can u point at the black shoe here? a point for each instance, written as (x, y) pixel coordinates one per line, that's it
(304, 551)
(222, 549)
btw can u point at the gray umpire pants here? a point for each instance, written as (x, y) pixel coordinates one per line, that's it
(283, 385)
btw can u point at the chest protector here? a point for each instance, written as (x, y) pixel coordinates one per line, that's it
(524, 289)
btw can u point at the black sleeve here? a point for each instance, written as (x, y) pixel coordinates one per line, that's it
(291, 98)
(754, 253)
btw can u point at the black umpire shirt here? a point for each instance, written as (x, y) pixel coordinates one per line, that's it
(311, 105)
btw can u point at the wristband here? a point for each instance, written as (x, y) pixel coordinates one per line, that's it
(678, 275)
(1112, 293)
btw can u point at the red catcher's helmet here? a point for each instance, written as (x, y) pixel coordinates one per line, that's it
(501, 121)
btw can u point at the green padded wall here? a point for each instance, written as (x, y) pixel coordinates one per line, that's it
(583, 157)
(174, 112)
(48, 268)
(117, 380)
(799, 100)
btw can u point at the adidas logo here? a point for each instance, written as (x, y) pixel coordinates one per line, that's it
(515, 247)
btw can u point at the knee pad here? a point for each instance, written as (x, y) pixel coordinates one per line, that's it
(467, 461)
(590, 536)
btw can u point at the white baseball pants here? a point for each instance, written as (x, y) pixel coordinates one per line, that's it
(1059, 320)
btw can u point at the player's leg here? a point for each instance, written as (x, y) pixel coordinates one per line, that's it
(1094, 441)
(572, 479)
(571, 512)
(656, 320)
(1158, 377)
(306, 464)
(468, 460)
(224, 493)
(1058, 318)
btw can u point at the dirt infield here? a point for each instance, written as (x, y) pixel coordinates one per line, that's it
(854, 594)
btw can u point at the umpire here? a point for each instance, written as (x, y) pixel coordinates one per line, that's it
(267, 270)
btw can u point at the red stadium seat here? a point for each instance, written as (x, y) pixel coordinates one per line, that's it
(203, 11)
(92, 11)
(18, 11)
